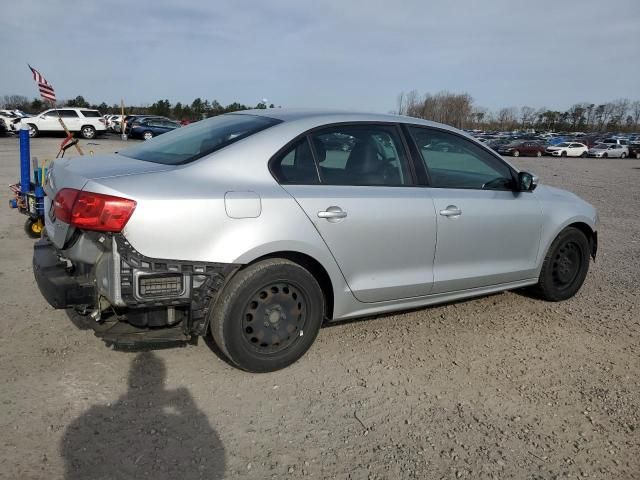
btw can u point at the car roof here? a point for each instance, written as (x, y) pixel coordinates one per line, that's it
(322, 116)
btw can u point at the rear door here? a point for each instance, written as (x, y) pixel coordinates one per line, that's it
(71, 120)
(488, 234)
(355, 184)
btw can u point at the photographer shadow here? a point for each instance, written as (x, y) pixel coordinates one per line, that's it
(149, 432)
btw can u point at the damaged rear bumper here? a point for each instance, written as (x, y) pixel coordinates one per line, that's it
(104, 274)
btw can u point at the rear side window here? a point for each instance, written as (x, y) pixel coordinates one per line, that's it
(68, 114)
(184, 145)
(361, 155)
(455, 162)
(91, 113)
(296, 165)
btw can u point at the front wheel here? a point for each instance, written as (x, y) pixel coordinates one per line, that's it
(147, 135)
(538, 153)
(268, 315)
(604, 155)
(33, 130)
(88, 132)
(584, 155)
(565, 266)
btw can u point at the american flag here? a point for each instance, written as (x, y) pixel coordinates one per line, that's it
(46, 90)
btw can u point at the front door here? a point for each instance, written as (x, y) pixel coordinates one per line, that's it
(357, 190)
(488, 234)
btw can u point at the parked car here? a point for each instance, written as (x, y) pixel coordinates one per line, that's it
(88, 123)
(496, 143)
(634, 150)
(616, 141)
(515, 149)
(147, 128)
(568, 149)
(609, 150)
(244, 225)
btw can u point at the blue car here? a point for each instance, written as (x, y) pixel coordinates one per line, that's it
(150, 127)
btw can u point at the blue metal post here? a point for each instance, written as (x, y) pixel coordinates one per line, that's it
(25, 159)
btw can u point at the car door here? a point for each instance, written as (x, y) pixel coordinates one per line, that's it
(71, 120)
(355, 184)
(488, 234)
(48, 121)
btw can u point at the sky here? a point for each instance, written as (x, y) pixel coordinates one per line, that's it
(348, 54)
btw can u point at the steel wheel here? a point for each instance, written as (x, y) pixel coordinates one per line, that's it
(516, 153)
(147, 135)
(268, 315)
(275, 318)
(566, 264)
(33, 130)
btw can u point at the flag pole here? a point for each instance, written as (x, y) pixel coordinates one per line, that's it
(66, 130)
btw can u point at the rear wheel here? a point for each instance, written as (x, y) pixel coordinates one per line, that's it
(637, 155)
(564, 153)
(584, 155)
(565, 266)
(516, 153)
(604, 155)
(147, 135)
(623, 156)
(88, 132)
(538, 153)
(33, 130)
(268, 315)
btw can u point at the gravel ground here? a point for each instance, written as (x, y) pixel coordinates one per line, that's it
(504, 386)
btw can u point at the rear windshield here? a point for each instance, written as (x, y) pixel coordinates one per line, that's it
(187, 144)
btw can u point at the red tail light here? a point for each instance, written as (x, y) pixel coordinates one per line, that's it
(92, 211)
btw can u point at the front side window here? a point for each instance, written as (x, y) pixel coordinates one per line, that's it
(360, 155)
(184, 145)
(455, 162)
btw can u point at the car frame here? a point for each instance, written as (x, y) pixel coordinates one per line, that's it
(257, 234)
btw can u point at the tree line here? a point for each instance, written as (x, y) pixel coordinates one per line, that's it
(196, 110)
(459, 110)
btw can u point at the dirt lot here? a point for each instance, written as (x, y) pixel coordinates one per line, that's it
(500, 387)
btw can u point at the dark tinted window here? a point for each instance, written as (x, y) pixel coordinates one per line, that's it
(361, 155)
(296, 165)
(91, 113)
(455, 162)
(52, 113)
(68, 113)
(184, 145)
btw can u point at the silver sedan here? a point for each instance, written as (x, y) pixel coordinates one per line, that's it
(259, 226)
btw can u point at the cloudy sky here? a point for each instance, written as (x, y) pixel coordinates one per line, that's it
(356, 54)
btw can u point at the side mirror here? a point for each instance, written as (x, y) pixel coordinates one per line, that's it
(527, 182)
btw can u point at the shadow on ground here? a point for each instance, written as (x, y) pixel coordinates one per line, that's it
(149, 432)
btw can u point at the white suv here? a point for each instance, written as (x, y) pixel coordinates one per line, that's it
(83, 120)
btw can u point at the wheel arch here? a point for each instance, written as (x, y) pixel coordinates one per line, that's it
(314, 267)
(591, 234)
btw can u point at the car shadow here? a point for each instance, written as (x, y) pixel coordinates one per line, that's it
(149, 432)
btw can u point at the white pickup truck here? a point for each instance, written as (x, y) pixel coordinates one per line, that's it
(85, 121)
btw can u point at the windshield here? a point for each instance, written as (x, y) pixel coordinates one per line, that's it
(187, 144)
(563, 144)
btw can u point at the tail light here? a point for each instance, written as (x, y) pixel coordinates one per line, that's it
(92, 211)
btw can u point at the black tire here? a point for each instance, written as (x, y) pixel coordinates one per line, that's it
(563, 154)
(33, 227)
(33, 130)
(565, 266)
(604, 155)
(638, 156)
(623, 156)
(147, 135)
(516, 153)
(584, 155)
(88, 132)
(268, 315)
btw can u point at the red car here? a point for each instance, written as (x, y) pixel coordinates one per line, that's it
(525, 147)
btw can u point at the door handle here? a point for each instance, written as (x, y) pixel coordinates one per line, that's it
(332, 213)
(451, 211)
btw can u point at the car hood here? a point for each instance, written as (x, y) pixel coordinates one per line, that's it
(557, 194)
